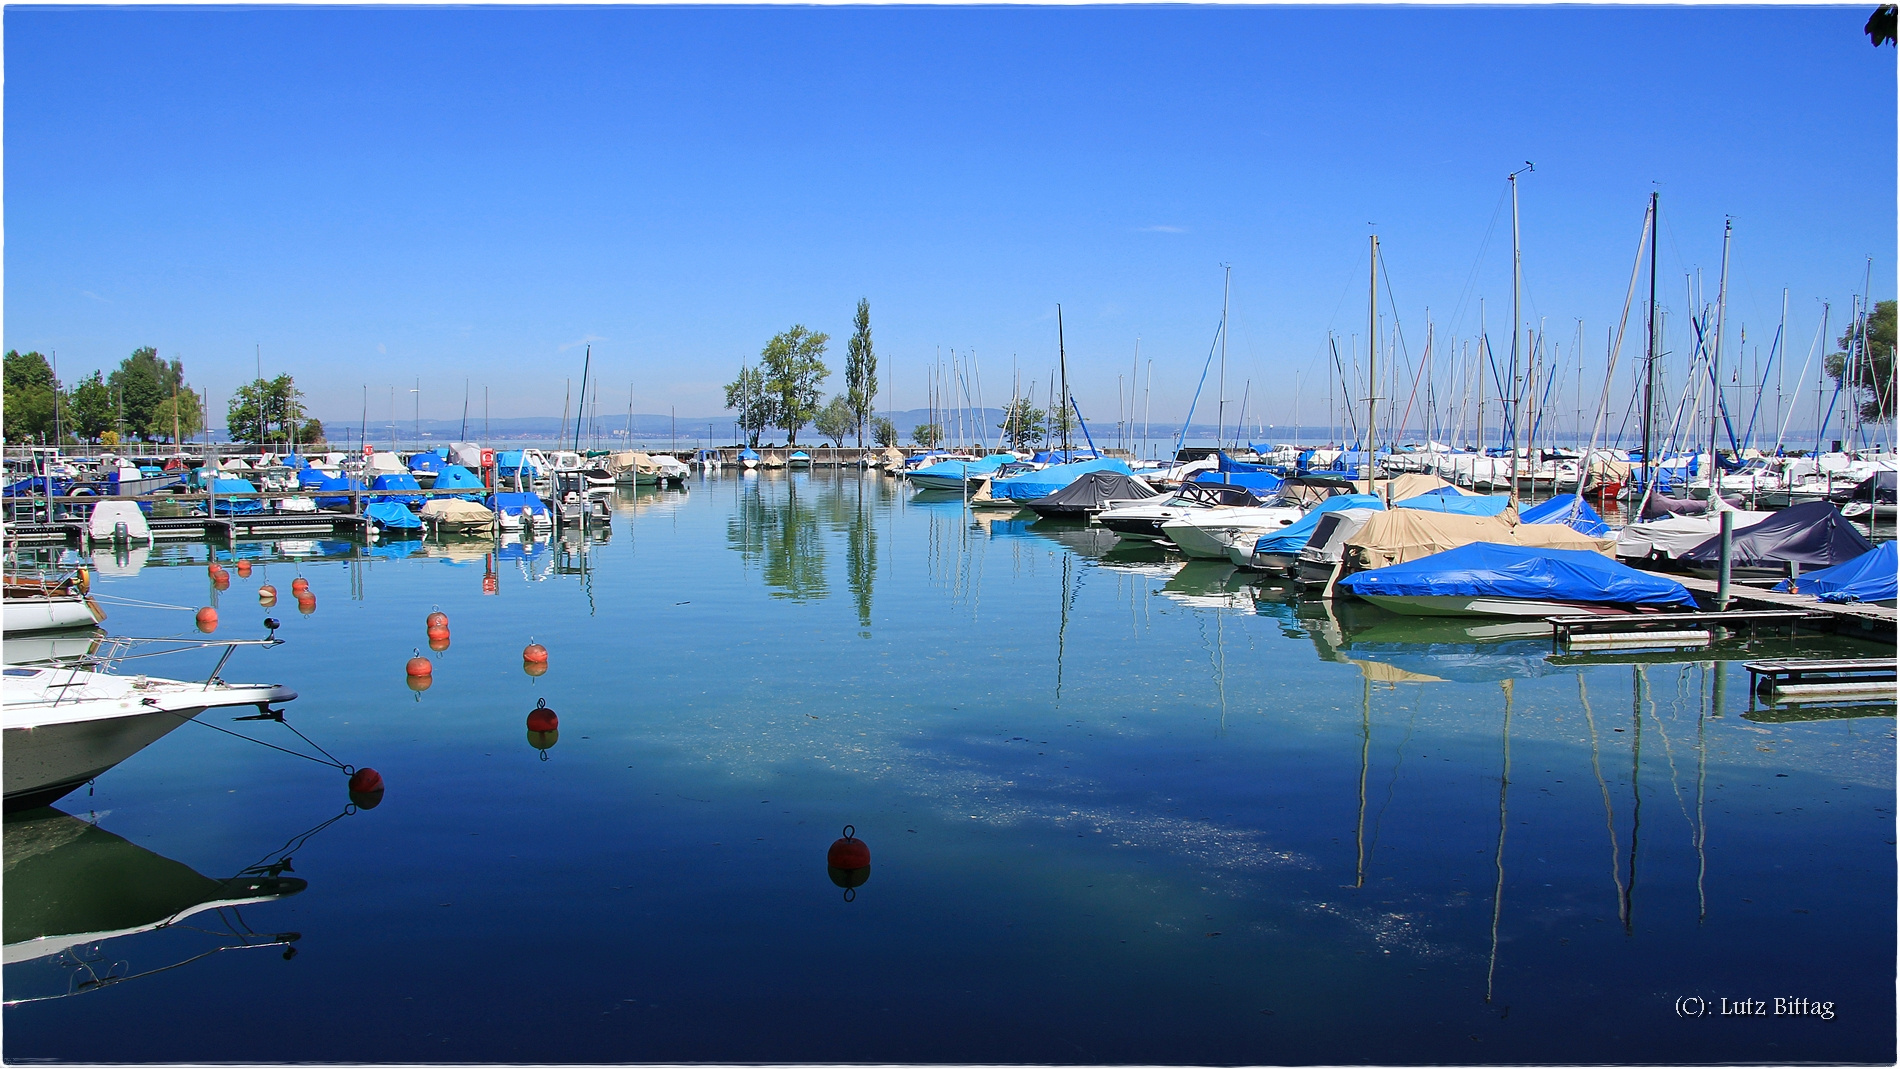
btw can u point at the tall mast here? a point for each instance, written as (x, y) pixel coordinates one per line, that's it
(1372, 368)
(1062, 358)
(1517, 296)
(1220, 419)
(586, 366)
(1715, 366)
(1649, 357)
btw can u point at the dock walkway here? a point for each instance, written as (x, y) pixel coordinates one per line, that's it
(1853, 618)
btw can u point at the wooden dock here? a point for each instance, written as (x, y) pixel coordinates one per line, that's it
(1854, 618)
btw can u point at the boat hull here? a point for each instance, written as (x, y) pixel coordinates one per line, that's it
(50, 614)
(1479, 605)
(44, 764)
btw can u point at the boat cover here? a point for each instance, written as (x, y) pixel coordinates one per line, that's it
(1034, 484)
(1559, 510)
(311, 478)
(1057, 456)
(1292, 539)
(1879, 488)
(391, 516)
(398, 481)
(1263, 484)
(1658, 503)
(1675, 535)
(426, 462)
(456, 477)
(1409, 534)
(518, 505)
(1406, 486)
(1094, 491)
(457, 510)
(1868, 577)
(106, 516)
(748, 454)
(345, 483)
(1483, 569)
(1458, 504)
(1812, 534)
(957, 469)
(240, 506)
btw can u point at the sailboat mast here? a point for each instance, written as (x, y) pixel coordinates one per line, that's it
(586, 366)
(1062, 359)
(1220, 430)
(1715, 364)
(1517, 288)
(1372, 368)
(1649, 357)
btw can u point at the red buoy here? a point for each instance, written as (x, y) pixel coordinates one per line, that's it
(437, 621)
(299, 585)
(535, 653)
(419, 666)
(207, 619)
(420, 683)
(848, 862)
(244, 569)
(307, 604)
(542, 718)
(366, 788)
(213, 569)
(221, 581)
(267, 594)
(438, 640)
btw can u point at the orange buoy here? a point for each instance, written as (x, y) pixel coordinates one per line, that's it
(213, 568)
(438, 640)
(437, 621)
(366, 788)
(207, 619)
(299, 585)
(221, 581)
(419, 666)
(244, 569)
(439, 632)
(267, 594)
(848, 862)
(420, 683)
(535, 653)
(542, 718)
(306, 605)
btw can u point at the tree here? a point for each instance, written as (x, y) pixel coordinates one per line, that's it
(1061, 421)
(926, 435)
(311, 432)
(142, 381)
(265, 411)
(32, 397)
(92, 408)
(1880, 28)
(746, 395)
(860, 370)
(1022, 424)
(190, 417)
(1866, 362)
(884, 432)
(794, 368)
(836, 420)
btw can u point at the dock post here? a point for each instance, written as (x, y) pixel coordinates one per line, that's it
(1727, 566)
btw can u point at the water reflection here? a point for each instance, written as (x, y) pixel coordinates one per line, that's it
(71, 887)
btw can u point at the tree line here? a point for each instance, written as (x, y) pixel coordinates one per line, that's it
(144, 398)
(785, 388)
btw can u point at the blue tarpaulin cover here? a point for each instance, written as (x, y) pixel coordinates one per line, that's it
(241, 506)
(391, 516)
(310, 478)
(522, 504)
(745, 454)
(1057, 456)
(956, 469)
(1294, 538)
(345, 483)
(1531, 573)
(1868, 577)
(397, 482)
(1034, 484)
(1263, 484)
(425, 462)
(1458, 504)
(1557, 510)
(456, 477)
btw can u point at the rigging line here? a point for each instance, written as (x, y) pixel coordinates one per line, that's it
(1609, 809)
(276, 941)
(294, 843)
(115, 599)
(333, 763)
(1471, 278)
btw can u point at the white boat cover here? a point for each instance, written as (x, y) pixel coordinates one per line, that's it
(456, 512)
(1675, 535)
(108, 515)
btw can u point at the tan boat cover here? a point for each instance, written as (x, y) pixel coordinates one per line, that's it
(1409, 485)
(1407, 534)
(457, 511)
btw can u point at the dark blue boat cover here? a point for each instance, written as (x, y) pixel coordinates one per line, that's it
(1035, 484)
(345, 483)
(1812, 535)
(388, 514)
(236, 506)
(1458, 504)
(1558, 510)
(1868, 577)
(525, 504)
(1294, 538)
(456, 477)
(1262, 484)
(310, 478)
(425, 462)
(397, 482)
(1531, 573)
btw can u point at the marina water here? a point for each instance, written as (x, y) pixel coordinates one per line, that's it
(1118, 809)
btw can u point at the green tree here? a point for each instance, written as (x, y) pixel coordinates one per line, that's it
(262, 412)
(746, 396)
(860, 370)
(311, 433)
(190, 417)
(926, 435)
(884, 432)
(1865, 363)
(141, 382)
(794, 368)
(32, 398)
(1060, 421)
(1022, 424)
(92, 407)
(836, 420)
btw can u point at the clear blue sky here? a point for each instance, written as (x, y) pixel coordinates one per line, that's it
(376, 195)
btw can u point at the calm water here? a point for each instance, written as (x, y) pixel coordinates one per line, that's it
(1118, 810)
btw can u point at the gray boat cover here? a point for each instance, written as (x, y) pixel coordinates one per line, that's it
(1814, 534)
(1092, 492)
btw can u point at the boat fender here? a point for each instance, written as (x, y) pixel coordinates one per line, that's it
(207, 619)
(85, 581)
(541, 718)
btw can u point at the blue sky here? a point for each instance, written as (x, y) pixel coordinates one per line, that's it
(377, 195)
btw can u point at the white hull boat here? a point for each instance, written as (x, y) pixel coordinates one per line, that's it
(1469, 605)
(67, 725)
(1210, 532)
(50, 612)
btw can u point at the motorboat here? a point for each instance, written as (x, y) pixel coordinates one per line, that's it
(1278, 551)
(1092, 493)
(521, 511)
(1208, 533)
(798, 459)
(950, 473)
(1672, 536)
(40, 604)
(68, 724)
(1141, 521)
(1813, 536)
(749, 457)
(1490, 579)
(455, 516)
